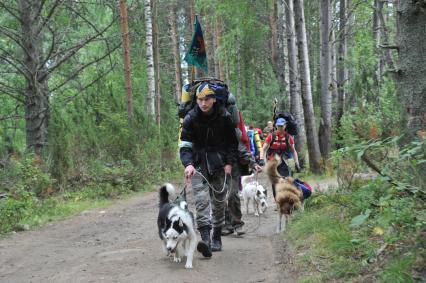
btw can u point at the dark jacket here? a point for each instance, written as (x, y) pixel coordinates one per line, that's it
(209, 141)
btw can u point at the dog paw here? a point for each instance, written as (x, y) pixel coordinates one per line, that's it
(188, 265)
(177, 259)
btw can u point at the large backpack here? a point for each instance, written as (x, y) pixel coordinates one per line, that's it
(189, 100)
(291, 121)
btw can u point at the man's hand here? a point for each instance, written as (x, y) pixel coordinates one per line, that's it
(298, 169)
(228, 169)
(257, 168)
(189, 171)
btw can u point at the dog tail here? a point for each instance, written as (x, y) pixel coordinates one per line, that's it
(271, 169)
(166, 191)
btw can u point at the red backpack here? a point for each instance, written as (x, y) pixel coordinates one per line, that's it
(244, 137)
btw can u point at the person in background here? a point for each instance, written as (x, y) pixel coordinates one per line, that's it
(255, 144)
(268, 129)
(245, 162)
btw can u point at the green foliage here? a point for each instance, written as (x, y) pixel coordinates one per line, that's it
(374, 227)
(398, 270)
(12, 211)
(26, 176)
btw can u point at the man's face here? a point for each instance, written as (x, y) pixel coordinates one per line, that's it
(270, 124)
(281, 128)
(206, 103)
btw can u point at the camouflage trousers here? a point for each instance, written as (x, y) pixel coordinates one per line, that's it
(210, 204)
(233, 210)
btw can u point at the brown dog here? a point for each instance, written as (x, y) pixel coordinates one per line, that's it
(287, 196)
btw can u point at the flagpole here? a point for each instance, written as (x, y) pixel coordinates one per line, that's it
(192, 73)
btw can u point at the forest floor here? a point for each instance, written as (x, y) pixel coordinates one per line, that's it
(120, 244)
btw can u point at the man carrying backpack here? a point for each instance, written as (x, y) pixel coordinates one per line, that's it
(244, 164)
(268, 129)
(208, 148)
(281, 143)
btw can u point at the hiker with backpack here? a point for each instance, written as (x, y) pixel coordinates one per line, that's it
(281, 142)
(208, 148)
(255, 144)
(243, 166)
(268, 129)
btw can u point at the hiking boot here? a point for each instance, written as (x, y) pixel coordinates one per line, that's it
(216, 239)
(203, 246)
(240, 230)
(227, 230)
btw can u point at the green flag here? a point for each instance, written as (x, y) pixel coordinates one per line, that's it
(196, 54)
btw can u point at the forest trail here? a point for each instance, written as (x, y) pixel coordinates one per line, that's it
(120, 244)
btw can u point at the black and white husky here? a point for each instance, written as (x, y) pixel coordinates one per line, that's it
(176, 226)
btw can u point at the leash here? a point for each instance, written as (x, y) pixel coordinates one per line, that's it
(183, 192)
(213, 188)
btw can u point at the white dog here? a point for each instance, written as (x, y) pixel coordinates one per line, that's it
(176, 226)
(257, 194)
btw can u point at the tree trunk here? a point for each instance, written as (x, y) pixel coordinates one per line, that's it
(326, 99)
(176, 52)
(282, 47)
(208, 40)
(239, 75)
(342, 71)
(385, 33)
(378, 4)
(218, 35)
(295, 100)
(150, 98)
(156, 46)
(274, 39)
(333, 69)
(37, 94)
(411, 23)
(306, 89)
(215, 54)
(126, 55)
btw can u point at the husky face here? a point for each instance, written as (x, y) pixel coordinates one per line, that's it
(174, 234)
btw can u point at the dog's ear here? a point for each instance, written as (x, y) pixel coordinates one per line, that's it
(180, 223)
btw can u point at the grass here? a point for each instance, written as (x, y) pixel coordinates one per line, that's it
(340, 234)
(31, 199)
(58, 209)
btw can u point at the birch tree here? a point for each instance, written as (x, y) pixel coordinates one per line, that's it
(342, 71)
(306, 89)
(326, 87)
(282, 46)
(156, 48)
(150, 97)
(295, 100)
(176, 51)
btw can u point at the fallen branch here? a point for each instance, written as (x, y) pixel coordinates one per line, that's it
(388, 46)
(373, 166)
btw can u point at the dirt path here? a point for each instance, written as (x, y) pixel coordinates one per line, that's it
(121, 244)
